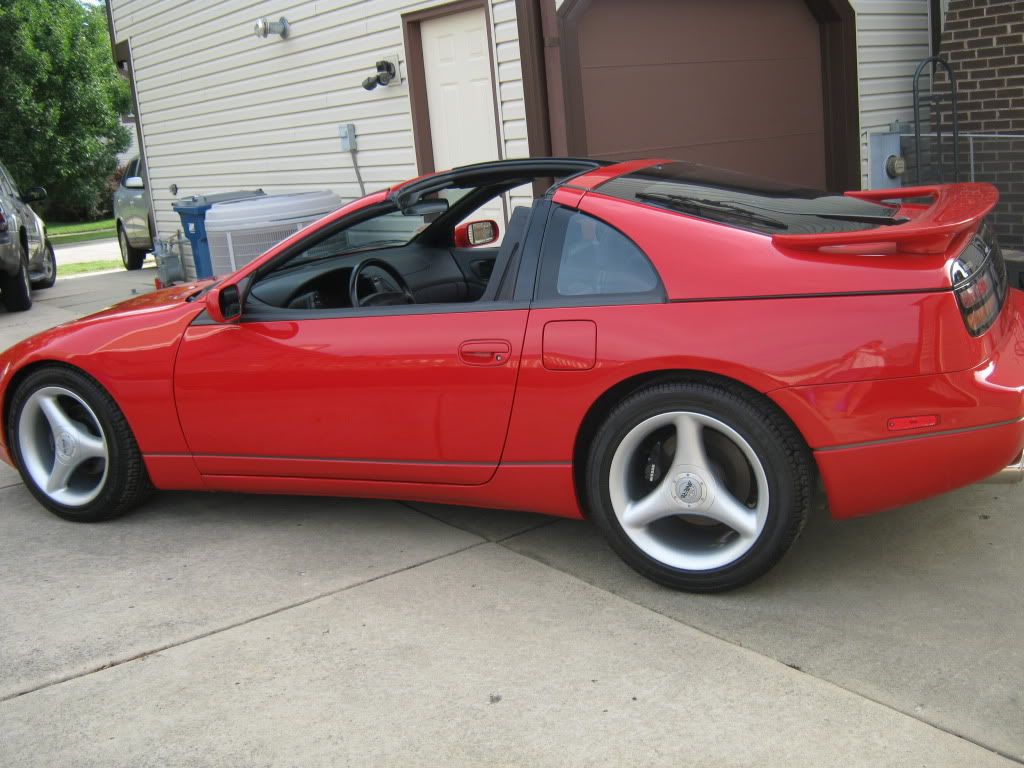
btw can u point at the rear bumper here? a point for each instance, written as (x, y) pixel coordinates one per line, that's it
(866, 467)
(860, 480)
(1011, 474)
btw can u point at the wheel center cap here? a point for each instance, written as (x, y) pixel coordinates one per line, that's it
(66, 445)
(690, 490)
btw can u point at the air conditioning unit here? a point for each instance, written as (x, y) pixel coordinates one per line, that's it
(239, 231)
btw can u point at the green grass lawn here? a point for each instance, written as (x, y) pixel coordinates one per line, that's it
(63, 270)
(62, 234)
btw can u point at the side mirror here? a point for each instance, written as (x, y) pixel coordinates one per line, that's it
(224, 303)
(474, 233)
(134, 182)
(33, 195)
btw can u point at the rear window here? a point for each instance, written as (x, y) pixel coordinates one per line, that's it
(747, 202)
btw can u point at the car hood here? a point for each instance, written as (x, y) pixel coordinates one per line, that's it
(141, 322)
(148, 302)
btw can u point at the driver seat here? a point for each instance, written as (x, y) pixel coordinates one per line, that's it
(502, 283)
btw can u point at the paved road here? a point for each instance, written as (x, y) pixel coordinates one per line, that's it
(91, 250)
(231, 630)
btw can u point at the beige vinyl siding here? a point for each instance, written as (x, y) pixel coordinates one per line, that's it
(221, 109)
(892, 39)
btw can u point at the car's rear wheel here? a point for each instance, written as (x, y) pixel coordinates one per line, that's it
(16, 290)
(48, 275)
(131, 257)
(699, 486)
(73, 446)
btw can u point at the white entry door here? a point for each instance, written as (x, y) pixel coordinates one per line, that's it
(460, 94)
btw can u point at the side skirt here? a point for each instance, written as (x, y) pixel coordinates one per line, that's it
(543, 488)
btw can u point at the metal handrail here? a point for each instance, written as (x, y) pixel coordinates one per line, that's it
(933, 60)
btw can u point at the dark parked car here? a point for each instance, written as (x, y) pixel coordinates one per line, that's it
(131, 213)
(27, 260)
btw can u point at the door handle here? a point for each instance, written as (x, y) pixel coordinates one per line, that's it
(485, 352)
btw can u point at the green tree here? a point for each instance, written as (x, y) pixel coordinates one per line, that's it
(60, 102)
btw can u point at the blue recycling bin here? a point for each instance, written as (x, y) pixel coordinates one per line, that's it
(192, 211)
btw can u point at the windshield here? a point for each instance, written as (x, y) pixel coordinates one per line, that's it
(393, 228)
(747, 202)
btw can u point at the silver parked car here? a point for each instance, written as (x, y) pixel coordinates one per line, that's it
(131, 215)
(27, 260)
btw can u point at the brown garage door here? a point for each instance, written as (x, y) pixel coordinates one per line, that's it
(733, 83)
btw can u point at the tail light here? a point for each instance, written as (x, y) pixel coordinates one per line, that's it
(979, 281)
(3, 222)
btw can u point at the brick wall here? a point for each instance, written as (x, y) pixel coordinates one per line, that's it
(983, 40)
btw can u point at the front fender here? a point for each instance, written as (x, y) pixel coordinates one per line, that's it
(130, 350)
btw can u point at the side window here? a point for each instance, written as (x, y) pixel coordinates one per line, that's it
(387, 230)
(584, 257)
(131, 170)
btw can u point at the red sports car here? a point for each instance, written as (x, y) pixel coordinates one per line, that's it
(686, 356)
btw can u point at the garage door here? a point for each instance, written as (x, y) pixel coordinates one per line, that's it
(733, 83)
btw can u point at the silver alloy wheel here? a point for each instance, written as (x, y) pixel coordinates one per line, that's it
(691, 520)
(122, 241)
(63, 446)
(49, 264)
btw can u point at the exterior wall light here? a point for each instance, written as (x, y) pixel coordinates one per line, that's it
(265, 27)
(386, 72)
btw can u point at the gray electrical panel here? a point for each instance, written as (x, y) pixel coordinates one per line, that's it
(886, 165)
(347, 132)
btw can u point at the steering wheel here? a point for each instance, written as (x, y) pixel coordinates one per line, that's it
(385, 294)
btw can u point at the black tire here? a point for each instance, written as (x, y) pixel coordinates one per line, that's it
(125, 482)
(131, 256)
(16, 290)
(49, 269)
(788, 476)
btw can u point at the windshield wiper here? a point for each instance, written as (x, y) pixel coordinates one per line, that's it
(698, 205)
(695, 203)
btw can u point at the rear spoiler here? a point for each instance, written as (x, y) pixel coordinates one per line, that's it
(956, 208)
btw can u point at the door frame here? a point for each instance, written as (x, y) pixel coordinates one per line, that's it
(423, 140)
(549, 50)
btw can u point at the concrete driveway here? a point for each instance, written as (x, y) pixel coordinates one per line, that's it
(257, 630)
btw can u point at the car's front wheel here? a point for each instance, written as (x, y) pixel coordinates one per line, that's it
(699, 486)
(73, 446)
(131, 257)
(48, 271)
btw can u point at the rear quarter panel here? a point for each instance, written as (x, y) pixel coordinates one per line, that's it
(767, 344)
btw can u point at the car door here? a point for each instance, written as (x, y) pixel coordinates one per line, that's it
(419, 393)
(10, 251)
(136, 208)
(121, 212)
(26, 217)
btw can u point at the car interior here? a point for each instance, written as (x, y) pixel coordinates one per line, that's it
(403, 251)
